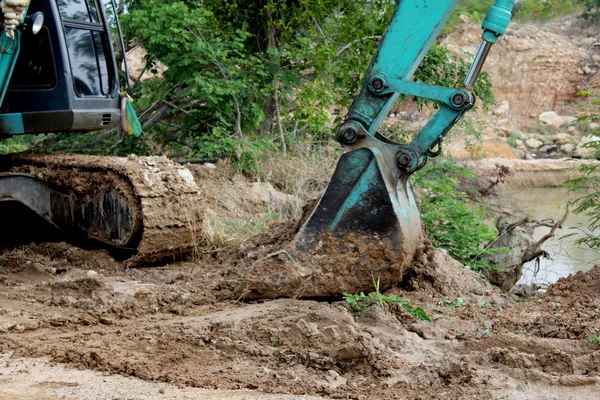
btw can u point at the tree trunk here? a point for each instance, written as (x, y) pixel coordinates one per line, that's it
(270, 104)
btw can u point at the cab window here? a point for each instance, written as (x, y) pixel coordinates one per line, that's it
(88, 47)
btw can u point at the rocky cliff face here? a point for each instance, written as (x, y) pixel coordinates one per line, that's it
(537, 68)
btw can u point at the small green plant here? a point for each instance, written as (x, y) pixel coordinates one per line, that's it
(485, 304)
(453, 305)
(484, 331)
(593, 339)
(360, 302)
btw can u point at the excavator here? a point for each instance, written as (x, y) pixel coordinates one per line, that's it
(59, 74)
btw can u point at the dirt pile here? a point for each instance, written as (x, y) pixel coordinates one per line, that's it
(480, 345)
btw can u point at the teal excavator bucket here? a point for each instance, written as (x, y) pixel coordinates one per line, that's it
(369, 208)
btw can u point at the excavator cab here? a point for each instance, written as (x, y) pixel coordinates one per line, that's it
(65, 75)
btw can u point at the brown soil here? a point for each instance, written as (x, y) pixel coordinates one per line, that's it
(183, 328)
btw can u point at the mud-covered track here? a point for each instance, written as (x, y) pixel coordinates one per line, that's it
(148, 205)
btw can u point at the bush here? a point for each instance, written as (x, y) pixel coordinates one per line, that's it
(453, 220)
(540, 10)
(587, 188)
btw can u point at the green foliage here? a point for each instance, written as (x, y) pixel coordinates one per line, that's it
(360, 302)
(587, 188)
(474, 9)
(234, 69)
(539, 10)
(453, 220)
(592, 10)
(453, 305)
(440, 68)
(485, 304)
(593, 339)
(17, 144)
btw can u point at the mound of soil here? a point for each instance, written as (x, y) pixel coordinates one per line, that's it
(184, 324)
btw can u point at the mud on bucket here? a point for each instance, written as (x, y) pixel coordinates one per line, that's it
(365, 227)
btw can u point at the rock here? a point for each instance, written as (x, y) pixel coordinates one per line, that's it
(502, 109)
(588, 41)
(489, 131)
(567, 149)
(503, 131)
(534, 69)
(518, 240)
(562, 138)
(209, 166)
(521, 154)
(572, 129)
(569, 120)
(594, 126)
(585, 152)
(496, 148)
(518, 134)
(534, 143)
(587, 70)
(91, 274)
(551, 118)
(520, 145)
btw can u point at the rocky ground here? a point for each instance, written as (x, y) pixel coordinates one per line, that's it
(537, 71)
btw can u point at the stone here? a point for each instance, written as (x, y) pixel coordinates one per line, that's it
(503, 131)
(502, 109)
(209, 166)
(569, 120)
(551, 118)
(587, 70)
(520, 145)
(518, 134)
(567, 149)
(589, 41)
(594, 126)
(489, 131)
(534, 143)
(91, 274)
(585, 152)
(572, 129)
(497, 148)
(562, 138)
(520, 154)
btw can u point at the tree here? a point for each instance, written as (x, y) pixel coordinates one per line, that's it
(261, 69)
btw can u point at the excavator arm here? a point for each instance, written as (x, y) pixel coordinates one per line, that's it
(369, 195)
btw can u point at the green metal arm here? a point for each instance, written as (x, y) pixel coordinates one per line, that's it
(413, 29)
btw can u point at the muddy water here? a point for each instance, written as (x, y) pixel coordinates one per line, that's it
(567, 256)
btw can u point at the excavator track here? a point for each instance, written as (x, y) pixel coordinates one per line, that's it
(149, 206)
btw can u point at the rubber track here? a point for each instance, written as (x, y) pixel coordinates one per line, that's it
(163, 195)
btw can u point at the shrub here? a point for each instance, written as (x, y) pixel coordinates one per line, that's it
(453, 220)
